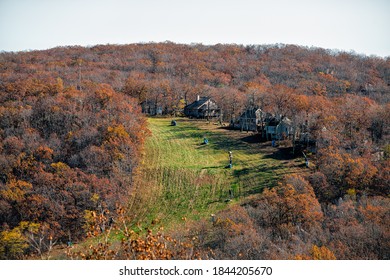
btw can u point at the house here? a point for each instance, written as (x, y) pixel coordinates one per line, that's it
(251, 120)
(278, 128)
(202, 108)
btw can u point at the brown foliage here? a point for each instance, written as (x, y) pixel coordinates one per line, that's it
(62, 149)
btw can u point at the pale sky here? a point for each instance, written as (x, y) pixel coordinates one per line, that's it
(362, 26)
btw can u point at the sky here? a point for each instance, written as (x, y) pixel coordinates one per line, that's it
(360, 26)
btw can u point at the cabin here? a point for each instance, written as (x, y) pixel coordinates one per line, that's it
(202, 108)
(251, 120)
(278, 128)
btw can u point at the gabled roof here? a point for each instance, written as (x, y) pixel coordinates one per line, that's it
(286, 121)
(250, 113)
(276, 121)
(198, 103)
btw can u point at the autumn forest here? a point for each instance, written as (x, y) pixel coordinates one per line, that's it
(73, 132)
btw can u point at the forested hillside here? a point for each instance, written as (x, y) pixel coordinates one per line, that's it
(72, 135)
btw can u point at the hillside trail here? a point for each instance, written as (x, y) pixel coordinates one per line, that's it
(182, 178)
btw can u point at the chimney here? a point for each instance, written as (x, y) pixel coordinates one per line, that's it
(197, 98)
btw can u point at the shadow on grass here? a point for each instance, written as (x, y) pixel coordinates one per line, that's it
(202, 146)
(226, 144)
(244, 171)
(214, 167)
(282, 154)
(254, 138)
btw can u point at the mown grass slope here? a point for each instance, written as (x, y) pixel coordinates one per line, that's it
(182, 179)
